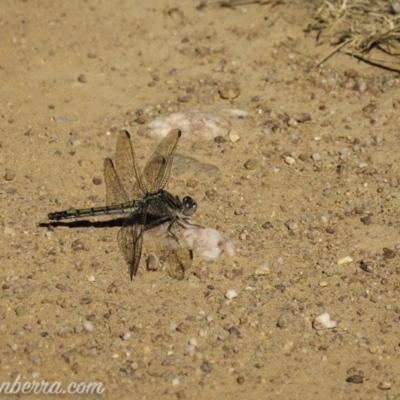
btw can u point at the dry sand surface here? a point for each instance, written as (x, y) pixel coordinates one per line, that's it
(309, 194)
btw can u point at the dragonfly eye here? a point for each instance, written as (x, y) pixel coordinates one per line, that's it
(189, 206)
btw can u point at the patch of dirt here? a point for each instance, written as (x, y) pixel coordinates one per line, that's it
(309, 194)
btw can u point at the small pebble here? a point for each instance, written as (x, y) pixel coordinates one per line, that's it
(388, 253)
(134, 366)
(344, 153)
(323, 321)
(229, 90)
(384, 385)
(262, 270)
(355, 379)
(9, 175)
(88, 325)
(14, 346)
(231, 294)
(237, 112)
(366, 220)
(77, 245)
(82, 78)
(183, 328)
(250, 164)
(127, 335)
(152, 262)
(345, 260)
(291, 225)
(316, 157)
(289, 160)
(302, 117)
(267, 225)
(203, 332)
(233, 136)
(175, 381)
(9, 231)
(205, 367)
(21, 310)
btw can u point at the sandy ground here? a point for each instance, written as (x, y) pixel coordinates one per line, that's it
(309, 195)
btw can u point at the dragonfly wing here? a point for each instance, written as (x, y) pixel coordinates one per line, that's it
(127, 167)
(158, 167)
(130, 239)
(115, 193)
(172, 247)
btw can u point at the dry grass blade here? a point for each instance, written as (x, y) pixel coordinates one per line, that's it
(361, 27)
(233, 3)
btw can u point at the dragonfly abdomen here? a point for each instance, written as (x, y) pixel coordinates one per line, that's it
(90, 212)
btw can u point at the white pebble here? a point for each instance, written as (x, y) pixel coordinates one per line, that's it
(231, 294)
(194, 125)
(9, 231)
(262, 270)
(316, 157)
(203, 332)
(233, 136)
(345, 260)
(14, 346)
(193, 342)
(291, 225)
(209, 242)
(325, 219)
(127, 335)
(175, 381)
(190, 349)
(289, 160)
(91, 278)
(344, 153)
(236, 112)
(201, 315)
(323, 321)
(88, 325)
(396, 7)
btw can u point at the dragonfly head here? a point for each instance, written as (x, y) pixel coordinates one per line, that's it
(189, 206)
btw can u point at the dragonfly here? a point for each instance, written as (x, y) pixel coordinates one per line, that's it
(152, 209)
